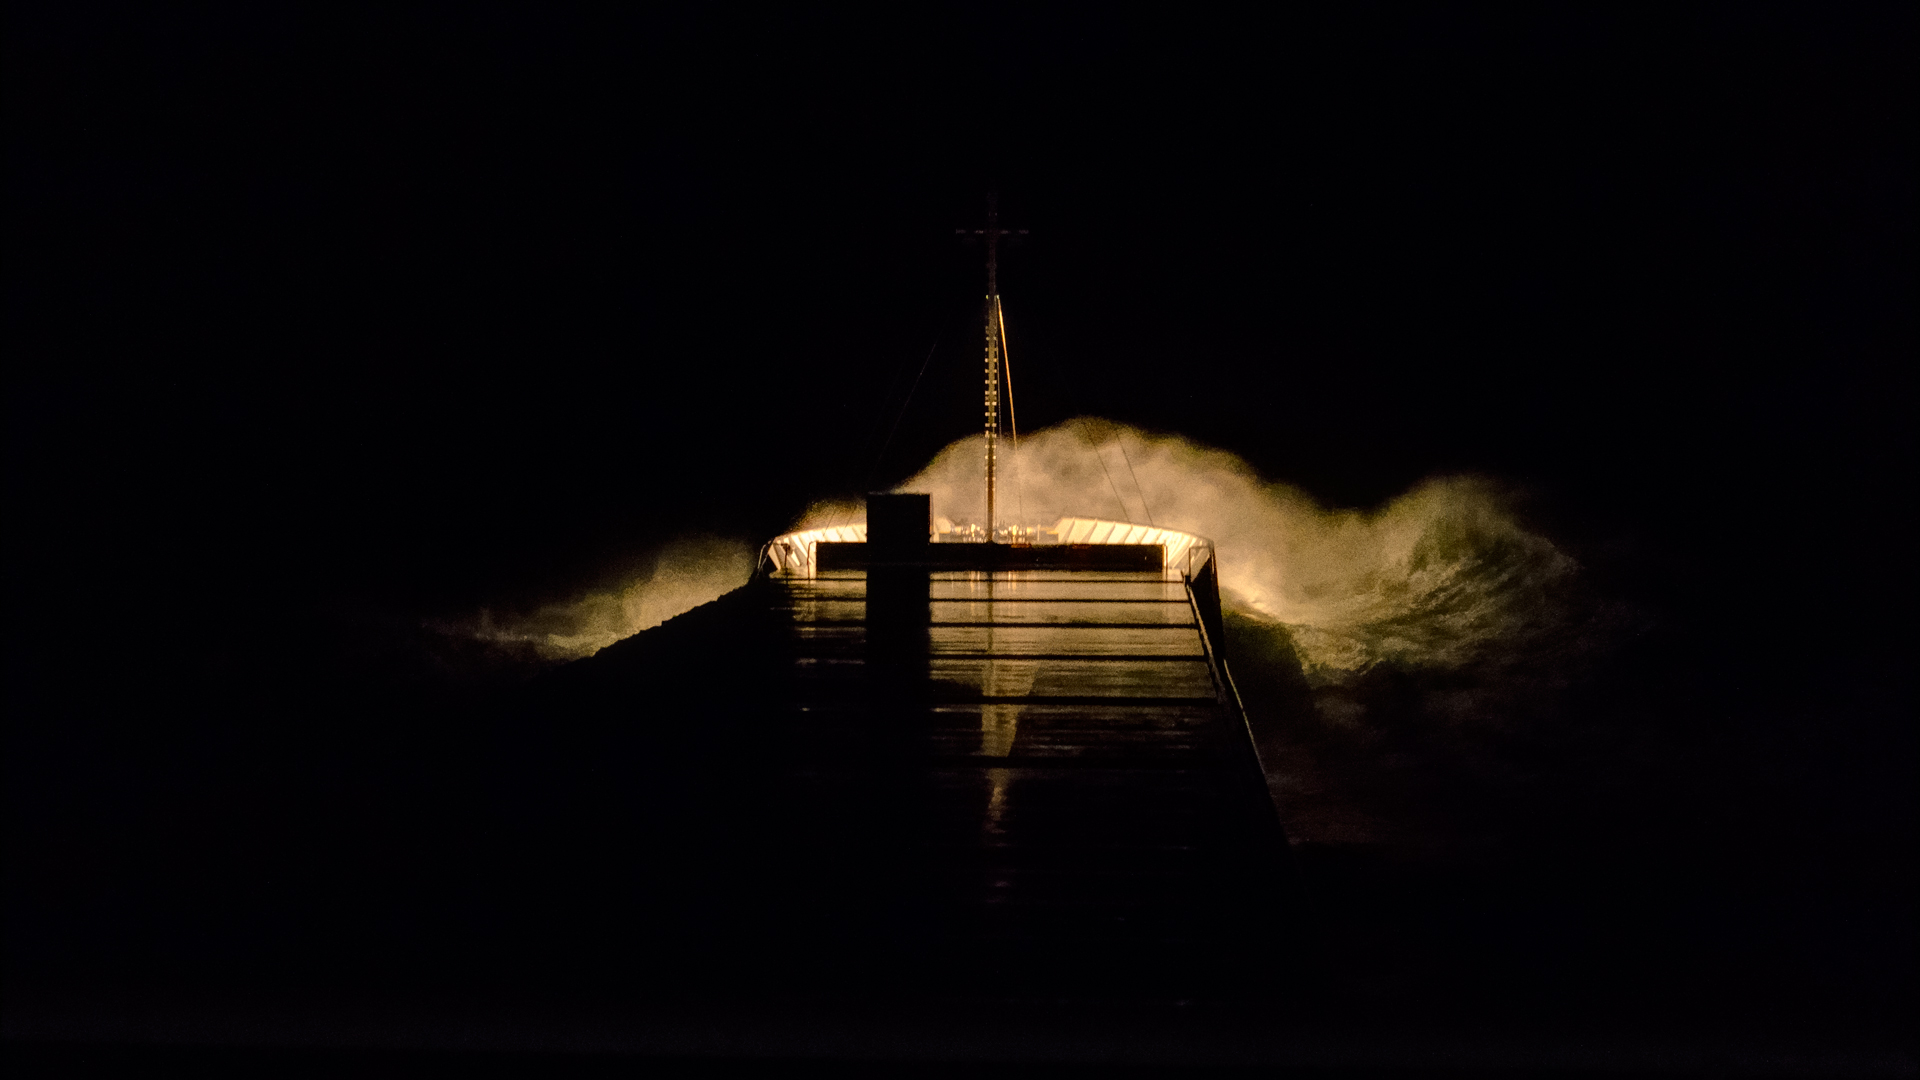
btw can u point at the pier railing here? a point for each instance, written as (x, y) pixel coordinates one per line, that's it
(1202, 578)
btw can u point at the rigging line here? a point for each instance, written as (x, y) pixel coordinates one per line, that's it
(901, 415)
(1142, 492)
(1073, 402)
(1006, 365)
(867, 482)
(1102, 459)
(1013, 419)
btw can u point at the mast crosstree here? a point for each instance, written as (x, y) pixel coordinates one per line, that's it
(996, 345)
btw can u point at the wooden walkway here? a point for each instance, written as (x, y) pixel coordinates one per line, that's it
(1026, 782)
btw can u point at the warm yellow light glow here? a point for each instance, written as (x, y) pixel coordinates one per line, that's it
(1436, 577)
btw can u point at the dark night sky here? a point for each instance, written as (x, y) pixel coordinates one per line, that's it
(432, 307)
(450, 304)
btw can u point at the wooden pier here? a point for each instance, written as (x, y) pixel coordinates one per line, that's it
(1023, 782)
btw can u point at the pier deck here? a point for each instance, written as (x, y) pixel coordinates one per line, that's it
(1032, 780)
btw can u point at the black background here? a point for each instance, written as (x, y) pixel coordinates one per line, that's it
(408, 311)
(446, 302)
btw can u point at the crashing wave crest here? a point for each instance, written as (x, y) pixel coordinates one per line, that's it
(1441, 577)
(1437, 578)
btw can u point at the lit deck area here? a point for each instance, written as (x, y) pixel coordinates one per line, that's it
(1041, 776)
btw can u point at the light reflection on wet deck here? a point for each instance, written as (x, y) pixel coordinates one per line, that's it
(1074, 766)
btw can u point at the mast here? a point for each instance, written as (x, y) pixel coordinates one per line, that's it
(995, 350)
(993, 354)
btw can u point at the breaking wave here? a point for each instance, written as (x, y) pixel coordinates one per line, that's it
(683, 575)
(1440, 577)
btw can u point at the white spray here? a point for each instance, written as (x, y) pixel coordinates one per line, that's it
(684, 574)
(1440, 577)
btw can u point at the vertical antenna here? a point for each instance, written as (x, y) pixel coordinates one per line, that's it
(992, 234)
(993, 353)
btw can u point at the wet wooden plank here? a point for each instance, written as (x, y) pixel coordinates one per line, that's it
(1151, 588)
(1068, 640)
(1062, 780)
(805, 611)
(1172, 591)
(1092, 677)
(1077, 576)
(1017, 612)
(1116, 730)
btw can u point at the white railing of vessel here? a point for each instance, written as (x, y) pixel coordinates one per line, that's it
(1179, 545)
(796, 553)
